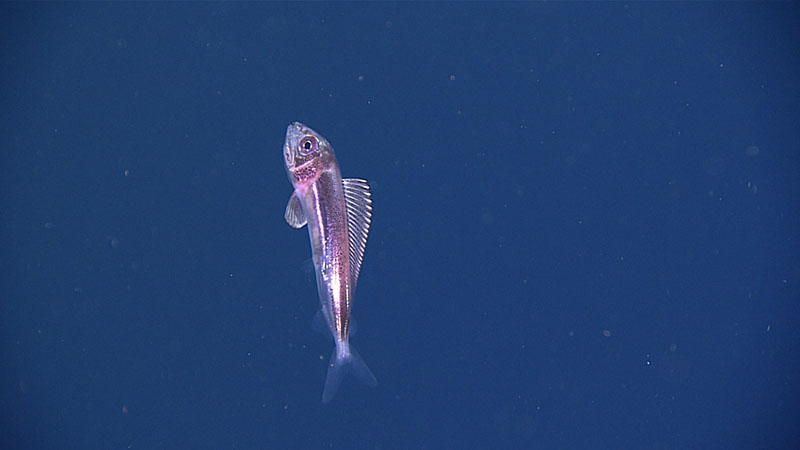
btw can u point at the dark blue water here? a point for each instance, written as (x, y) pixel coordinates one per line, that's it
(585, 227)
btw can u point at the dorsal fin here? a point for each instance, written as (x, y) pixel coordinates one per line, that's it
(359, 216)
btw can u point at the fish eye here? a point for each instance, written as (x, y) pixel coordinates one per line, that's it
(308, 145)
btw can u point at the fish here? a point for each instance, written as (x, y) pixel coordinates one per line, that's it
(338, 213)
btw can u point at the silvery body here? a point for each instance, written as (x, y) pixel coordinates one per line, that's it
(337, 212)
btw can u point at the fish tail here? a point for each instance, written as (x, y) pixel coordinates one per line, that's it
(342, 363)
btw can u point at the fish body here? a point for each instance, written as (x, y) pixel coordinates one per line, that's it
(337, 212)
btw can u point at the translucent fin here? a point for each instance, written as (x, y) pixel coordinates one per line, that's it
(320, 325)
(307, 267)
(339, 366)
(294, 213)
(353, 326)
(359, 215)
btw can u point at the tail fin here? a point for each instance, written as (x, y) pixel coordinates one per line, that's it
(342, 364)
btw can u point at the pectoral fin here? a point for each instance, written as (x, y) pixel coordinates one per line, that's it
(294, 213)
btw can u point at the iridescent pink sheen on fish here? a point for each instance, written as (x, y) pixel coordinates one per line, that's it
(338, 214)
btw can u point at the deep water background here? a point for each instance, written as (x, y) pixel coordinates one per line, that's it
(585, 227)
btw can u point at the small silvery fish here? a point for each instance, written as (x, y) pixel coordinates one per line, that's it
(338, 213)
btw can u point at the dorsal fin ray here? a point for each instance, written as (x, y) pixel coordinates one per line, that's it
(359, 216)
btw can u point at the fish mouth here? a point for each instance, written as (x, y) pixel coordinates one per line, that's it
(296, 128)
(294, 132)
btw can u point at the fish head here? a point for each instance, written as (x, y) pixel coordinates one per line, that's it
(305, 152)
